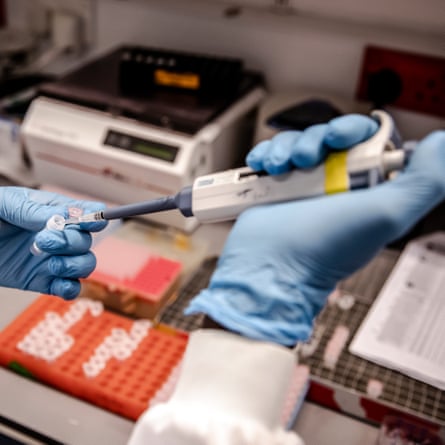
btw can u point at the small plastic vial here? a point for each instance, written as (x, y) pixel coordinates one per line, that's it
(56, 222)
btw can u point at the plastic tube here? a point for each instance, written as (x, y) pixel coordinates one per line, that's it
(56, 222)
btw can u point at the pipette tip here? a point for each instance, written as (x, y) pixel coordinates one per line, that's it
(90, 217)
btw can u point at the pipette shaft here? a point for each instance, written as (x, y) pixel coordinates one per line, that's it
(181, 201)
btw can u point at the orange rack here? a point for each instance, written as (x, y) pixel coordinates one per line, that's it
(119, 364)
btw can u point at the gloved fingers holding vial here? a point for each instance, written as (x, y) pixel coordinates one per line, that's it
(38, 252)
(281, 261)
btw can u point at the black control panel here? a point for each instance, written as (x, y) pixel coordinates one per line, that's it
(145, 70)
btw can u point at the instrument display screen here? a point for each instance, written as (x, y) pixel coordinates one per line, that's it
(145, 147)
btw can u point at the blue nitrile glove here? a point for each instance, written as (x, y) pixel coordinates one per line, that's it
(66, 256)
(281, 261)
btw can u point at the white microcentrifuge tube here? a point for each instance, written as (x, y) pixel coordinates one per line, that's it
(56, 222)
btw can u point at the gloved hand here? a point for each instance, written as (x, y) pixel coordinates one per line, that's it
(66, 256)
(281, 261)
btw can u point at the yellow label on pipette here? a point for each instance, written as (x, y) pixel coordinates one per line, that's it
(336, 173)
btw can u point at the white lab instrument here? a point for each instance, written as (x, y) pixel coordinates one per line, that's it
(123, 160)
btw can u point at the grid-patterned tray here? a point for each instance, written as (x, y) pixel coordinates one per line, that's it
(346, 386)
(352, 375)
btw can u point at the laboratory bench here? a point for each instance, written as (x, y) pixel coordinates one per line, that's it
(28, 407)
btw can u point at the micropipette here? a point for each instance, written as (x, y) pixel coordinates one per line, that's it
(224, 195)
